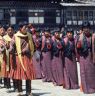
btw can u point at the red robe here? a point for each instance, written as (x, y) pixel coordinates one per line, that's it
(17, 71)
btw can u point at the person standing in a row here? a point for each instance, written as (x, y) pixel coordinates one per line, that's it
(37, 55)
(22, 48)
(46, 56)
(87, 67)
(6, 64)
(70, 65)
(57, 60)
(2, 49)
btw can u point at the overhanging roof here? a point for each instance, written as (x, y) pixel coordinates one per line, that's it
(28, 4)
(78, 4)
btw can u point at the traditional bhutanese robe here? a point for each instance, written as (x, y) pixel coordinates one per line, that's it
(37, 58)
(22, 48)
(46, 59)
(70, 65)
(6, 64)
(57, 63)
(2, 50)
(87, 67)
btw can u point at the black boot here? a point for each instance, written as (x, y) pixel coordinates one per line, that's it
(8, 83)
(28, 88)
(5, 82)
(19, 87)
(15, 85)
(1, 81)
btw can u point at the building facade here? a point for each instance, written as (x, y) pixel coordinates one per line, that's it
(46, 13)
(51, 13)
(77, 12)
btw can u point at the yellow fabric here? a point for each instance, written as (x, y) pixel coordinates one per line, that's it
(31, 45)
(18, 45)
(7, 40)
(1, 60)
(1, 37)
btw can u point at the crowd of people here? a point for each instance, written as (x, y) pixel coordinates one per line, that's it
(31, 53)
